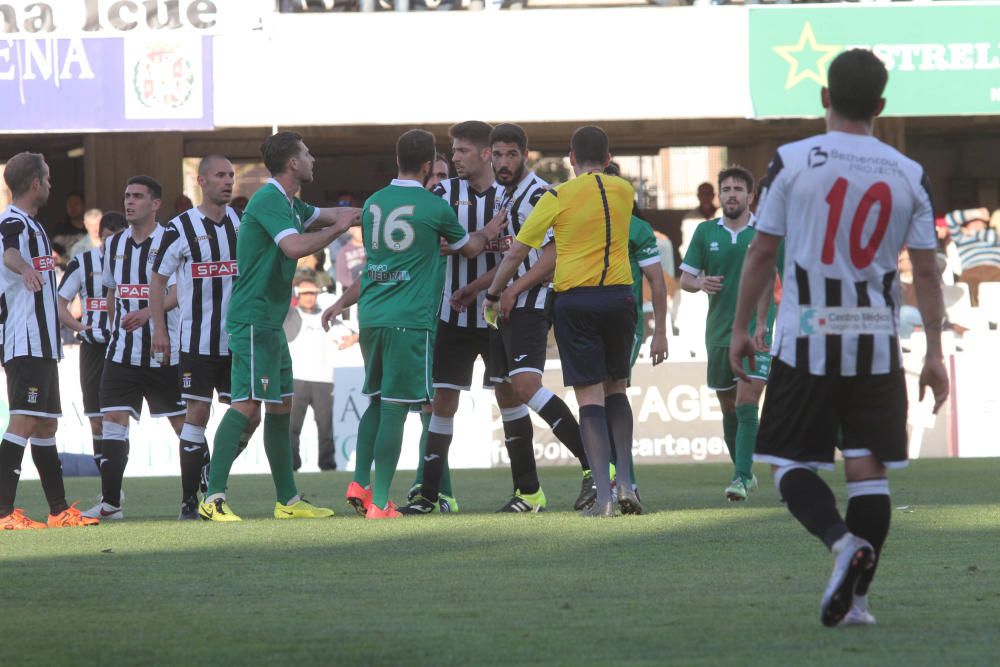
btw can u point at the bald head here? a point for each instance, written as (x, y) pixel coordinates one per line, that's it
(216, 177)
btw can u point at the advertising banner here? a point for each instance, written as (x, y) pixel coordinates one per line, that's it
(942, 59)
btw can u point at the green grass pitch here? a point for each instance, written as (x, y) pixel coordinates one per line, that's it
(693, 582)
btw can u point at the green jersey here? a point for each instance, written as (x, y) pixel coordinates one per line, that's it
(717, 250)
(263, 290)
(642, 251)
(403, 278)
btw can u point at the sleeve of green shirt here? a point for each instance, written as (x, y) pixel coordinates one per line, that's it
(694, 258)
(274, 215)
(642, 244)
(449, 228)
(307, 212)
(542, 218)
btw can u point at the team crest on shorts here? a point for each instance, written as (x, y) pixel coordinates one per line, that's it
(32, 394)
(186, 380)
(264, 381)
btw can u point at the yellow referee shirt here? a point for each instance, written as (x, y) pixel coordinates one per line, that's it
(589, 217)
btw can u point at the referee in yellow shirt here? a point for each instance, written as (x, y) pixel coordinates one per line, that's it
(594, 311)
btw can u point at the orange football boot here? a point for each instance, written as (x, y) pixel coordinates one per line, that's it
(71, 518)
(374, 512)
(359, 498)
(17, 521)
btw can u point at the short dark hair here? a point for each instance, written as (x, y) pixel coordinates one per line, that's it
(413, 149)
(856, 80)
(278, 149)
(154, 187)
(589, 144)
(113, 221)
(509, 133)
(738, 172)
(475, 131)
(22, 170)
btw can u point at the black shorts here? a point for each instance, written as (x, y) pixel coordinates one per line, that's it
(804, 413)
(455, 352)
(203, 374)
(519, 345)
(33, 387)
(124, 387)
(91, 369)
(595, 327)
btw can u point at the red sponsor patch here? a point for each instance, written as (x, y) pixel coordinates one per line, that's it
(222, 269)
(95, 304)
(133, 291)
(43, 263)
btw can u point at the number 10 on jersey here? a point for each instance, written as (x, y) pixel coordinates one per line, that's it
(861, 255)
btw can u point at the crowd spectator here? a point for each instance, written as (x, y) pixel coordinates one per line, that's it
(72, 228)
(978, 246)
(92, 239)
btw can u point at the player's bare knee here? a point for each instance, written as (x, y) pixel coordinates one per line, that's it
(857, 469)
(249, 409)
(198, 412)
(506, 396)
(615, 387)
(44, 428)
(118, 418)
(526, 385)
(445, 402)
(748, 393)
(21, 425)
(96, 426)
(727, 400)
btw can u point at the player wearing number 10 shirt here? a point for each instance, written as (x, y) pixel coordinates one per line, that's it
(400, 292)
(846, 204)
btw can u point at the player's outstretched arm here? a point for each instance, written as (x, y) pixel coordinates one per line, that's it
(297, 246)
(346, 300)
(328, 217)
(758, 273)
(930, 303)
(658, 292)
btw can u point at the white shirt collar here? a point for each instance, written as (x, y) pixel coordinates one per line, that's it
(406, 183)
(278, 185)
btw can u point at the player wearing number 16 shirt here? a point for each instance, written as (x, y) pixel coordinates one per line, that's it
(401, 287)
(846, 204)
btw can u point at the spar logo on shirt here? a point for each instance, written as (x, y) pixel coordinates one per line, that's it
(95, 304)
(133, 291)
(43, 263)
(223, 269)
(499, 245)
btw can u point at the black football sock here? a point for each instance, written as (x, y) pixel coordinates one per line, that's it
(439, 433)
(11, 455)
(113, 470)
(869, 512)
(98, 443)
(560, 419)
(193, 449)
(46, 458)
(594, 429)
(620, 428)
(811, 501)
(519, 440)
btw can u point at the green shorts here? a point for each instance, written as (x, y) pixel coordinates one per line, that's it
(398, 363)
(720, 375)
(262, 366)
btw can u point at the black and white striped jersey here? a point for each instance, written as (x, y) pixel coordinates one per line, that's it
(201, 252)
(846, 205)
(127, 268)
(520, 200)
(84, 278)
(474, 210)
(30, 319)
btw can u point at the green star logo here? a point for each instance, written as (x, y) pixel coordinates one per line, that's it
(807, 59)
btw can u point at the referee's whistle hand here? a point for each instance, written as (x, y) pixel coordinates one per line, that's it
(741, 347)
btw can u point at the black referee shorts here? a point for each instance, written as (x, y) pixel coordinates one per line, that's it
(33, 387)
(91, 369)
(804, 413)
(594, 331)
(455, 352)
(203, 374)
(519, 345)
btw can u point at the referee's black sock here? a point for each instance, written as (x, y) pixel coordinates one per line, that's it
(519, 440)
(869, 512)
(193, 448)
(439, 433)
(811, 501)
(46, 458)
(98, 444)
(620, 428)
(560, 419)
(11, 455)
(594, 429)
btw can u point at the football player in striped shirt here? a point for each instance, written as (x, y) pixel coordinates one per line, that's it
(845, 204)
(83, 279)
(31, 348)
(199, 251)
(132, 373)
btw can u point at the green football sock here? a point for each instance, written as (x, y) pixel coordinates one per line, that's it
(224, 448)
(730, 425)
(364, 449)
(746, 438)
(278, 447)
(425, 421)
(446, 479)
(388, 444)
